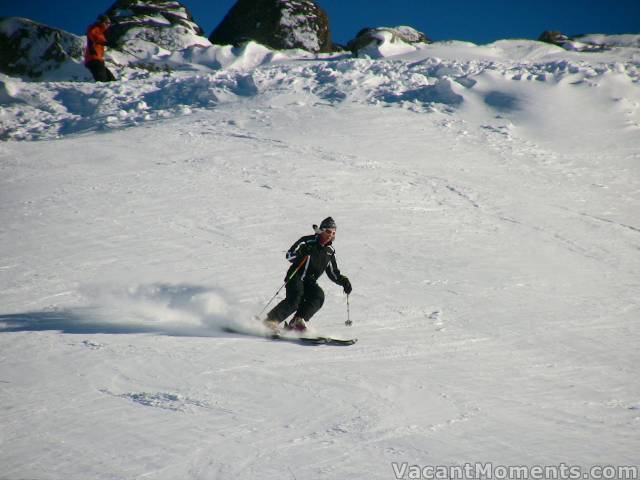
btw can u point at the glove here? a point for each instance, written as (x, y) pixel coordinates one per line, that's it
(346, 285)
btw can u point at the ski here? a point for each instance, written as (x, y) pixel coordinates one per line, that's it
(286, 337)
(322, 340)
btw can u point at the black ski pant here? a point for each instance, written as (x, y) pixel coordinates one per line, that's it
(303, 298)
(99, 71)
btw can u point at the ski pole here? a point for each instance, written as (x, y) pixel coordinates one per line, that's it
(129, 52)
(124, 50)
(348, 323)
(304, 260)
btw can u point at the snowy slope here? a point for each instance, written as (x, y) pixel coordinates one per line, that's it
(432, 77)
(487, 206)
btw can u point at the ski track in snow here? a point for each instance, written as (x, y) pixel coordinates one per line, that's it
(488, 219)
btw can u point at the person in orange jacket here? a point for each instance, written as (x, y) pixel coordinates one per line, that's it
(94, 52)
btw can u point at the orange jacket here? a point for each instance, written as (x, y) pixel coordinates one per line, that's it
(96, 41)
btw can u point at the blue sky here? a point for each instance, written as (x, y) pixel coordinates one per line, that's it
(475, 20)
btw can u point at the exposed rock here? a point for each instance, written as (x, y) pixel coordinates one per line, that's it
(554, 37)
(338, 47)
(628, 40)
(278, 24)
(165, 23)
(33, 50)
(377, 36)
(580, 43)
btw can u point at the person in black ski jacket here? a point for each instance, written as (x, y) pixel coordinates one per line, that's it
(310, 256)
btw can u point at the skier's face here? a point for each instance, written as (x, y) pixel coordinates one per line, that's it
(327, 235)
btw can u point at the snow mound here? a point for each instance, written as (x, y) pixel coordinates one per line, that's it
(437, 77)
(216, 57)
(31, 112)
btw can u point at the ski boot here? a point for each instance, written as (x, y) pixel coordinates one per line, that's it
(297, 324)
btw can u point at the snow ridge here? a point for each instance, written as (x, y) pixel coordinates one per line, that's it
(420, 82)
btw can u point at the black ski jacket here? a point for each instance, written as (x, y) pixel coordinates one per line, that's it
(321, 259)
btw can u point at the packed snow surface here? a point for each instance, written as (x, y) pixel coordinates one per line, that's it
(487, 201)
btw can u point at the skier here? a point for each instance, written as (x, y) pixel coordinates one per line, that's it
(310, 256)
(94, 53)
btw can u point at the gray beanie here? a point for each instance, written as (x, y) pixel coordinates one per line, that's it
(328, 223)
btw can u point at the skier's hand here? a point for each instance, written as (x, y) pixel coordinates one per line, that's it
(346, 285)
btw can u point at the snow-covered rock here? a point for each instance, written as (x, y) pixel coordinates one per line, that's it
(35, 51)
(554, 37)
(166, 25)
(590, 42)
(279, 24)
(386, 41)
(625, 40)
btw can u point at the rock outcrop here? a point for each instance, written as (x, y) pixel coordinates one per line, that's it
(368, 38)
(278, 24)
(554, 37)
(165, 23)
(582, 43)
(35, 51)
